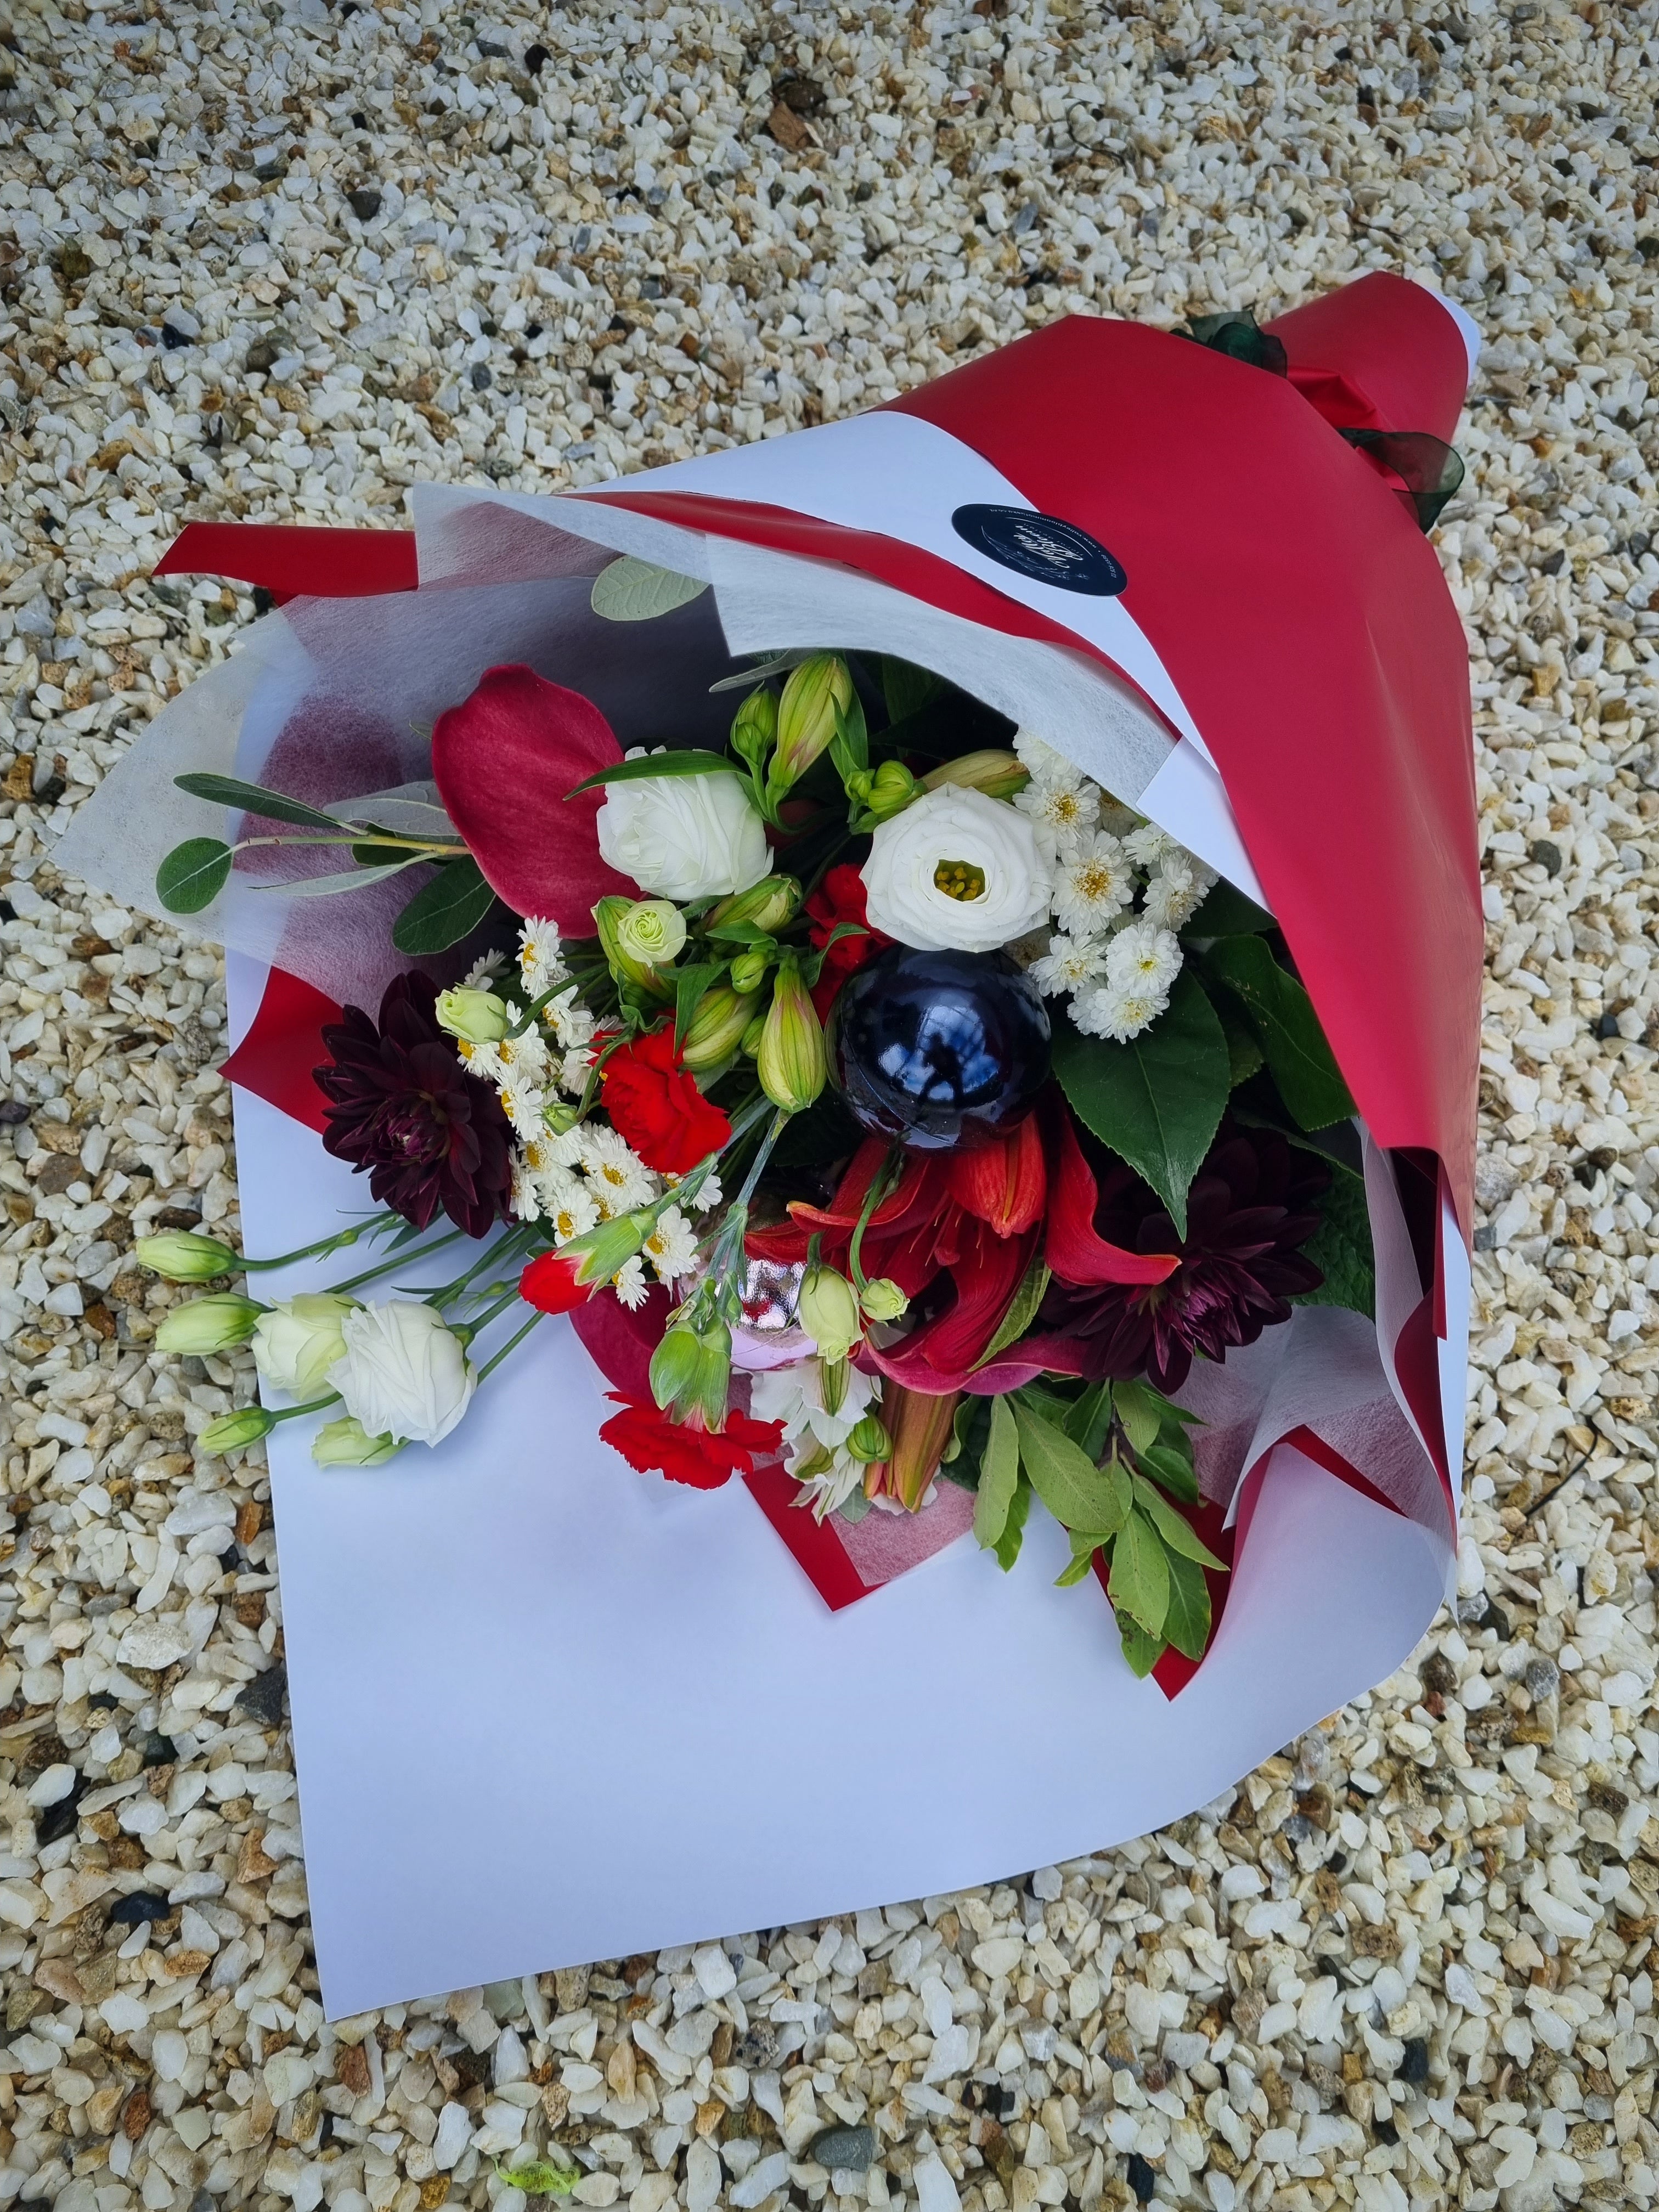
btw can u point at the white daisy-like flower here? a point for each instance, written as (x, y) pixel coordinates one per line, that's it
(484, 1061)
(574, 1070)
(1039, 758)
(1116, 818)
(526, 1193)
(794, 1395)
(671, 1246)
(1095, 886)
(617, 1176)
(630, 1284)
(709, 1196)
(522, 1100)
(1061, 812)
(567, 1204)
(551, 1149)
(540, 961)
(1108, 1011)
(569, 1020)
(481, 970)
(1148, 845)
(1144, 959)
(1175, 893)
(1070, 963)
(525, 1057)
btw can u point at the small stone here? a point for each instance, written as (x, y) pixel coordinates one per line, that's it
(1545, 854)
(763, 2177)
(936, 2190)
(156, 1640)
(169, 2054)
(351, 2068)
(263, 1698)
(1140, 2177)
(365, 202)
(844, 2149)
(715, 1973)
(122, 2014)
(1414, 2061)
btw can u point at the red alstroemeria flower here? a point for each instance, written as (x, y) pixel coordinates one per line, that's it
(651, 1443)
(652, 1098)
(840, 898)
(503, 761)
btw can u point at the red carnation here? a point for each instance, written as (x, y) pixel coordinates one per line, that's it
(652, 1098)
(650, 1442)
(840, 898)
(550, 1282)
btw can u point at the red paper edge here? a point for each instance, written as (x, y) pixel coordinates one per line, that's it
(815, 1547)
(284, 1043)
(293, 560)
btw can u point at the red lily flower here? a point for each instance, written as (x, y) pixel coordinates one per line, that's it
(503, 760)
(650, 1442)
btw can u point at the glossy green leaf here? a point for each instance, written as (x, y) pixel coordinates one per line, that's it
(1170, 1463)
(444, 911)
(1177, 1532)
(1078, 1569)
(649, 768)
(1007, 1545)
(1140, 1581)
(1022, 1312)
(1079, 1494)
(691, 986)
(1225, 912)
(1141, 1411)
(1089, 1423)
(193, 874)
(1341, 1249)
(906, 689)
(999, 1476)
(253, 799)
(1158, 1101)
(1186, 1622)
(630, 590)
(1142, 1651)
(1288, 1028)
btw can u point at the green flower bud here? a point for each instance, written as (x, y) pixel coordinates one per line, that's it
(478, 1015)
(754, 726)
(999, 775)
(869, 1441)
(692, 1373)
(884, 791)
(558, 1115)
(752, 1036)
(236, 1432)
(599, 1253)
(792, 1062)
(651, 933)
(348, 1443)
(184, 1258)
(715, 1030)
(749, 970)
(213, 1324)
(828, 1309)
(770, 904)
(806, 717)
(882, 1299)
(674, 1365)
(624, 965)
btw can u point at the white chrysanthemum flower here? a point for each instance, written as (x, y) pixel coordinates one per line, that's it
(1070, 963)
(481, 970)
(630, 1284)
(522, 1101)
(525, 1057)
(1108, 1011)
(1039, 758)
(1175, 893)
(617, 1176)
(526, 1191)
(549, 1149)
(569, 1020)
(1144, 959)
(794, 1395)
(671, 1246)
(709, 1196)
(1149, 845)
(540, 961)
(567, 1205)
(1062, 813)
(1093, 887)
(484, 1061)
(1115, 817)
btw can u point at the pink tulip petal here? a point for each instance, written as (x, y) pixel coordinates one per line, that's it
(503, 760)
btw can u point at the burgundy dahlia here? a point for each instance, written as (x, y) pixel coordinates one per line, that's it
(430, 1135)
(1252, 1204)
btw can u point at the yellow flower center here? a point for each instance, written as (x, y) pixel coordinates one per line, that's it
(1094, 880)
(1063, 807)
(532, 1157)
(613, 1175)
(959, 879)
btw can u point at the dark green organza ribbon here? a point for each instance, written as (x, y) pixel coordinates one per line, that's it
(1429, 469)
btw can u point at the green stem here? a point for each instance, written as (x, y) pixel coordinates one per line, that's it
(882, 1184)
(512, 1345)
(395, 1260)
(336, 1243)
(515, 1240)
(316, 1405)
(468, 1330)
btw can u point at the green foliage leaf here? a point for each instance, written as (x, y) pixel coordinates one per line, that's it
(906, 689)
(850, 749)
(691, 985)
(1170, 1463)
(444, 911)
(650, 766)
(1186, 1622)
(1022, 1311)
(1141, 1411)
(1089, 1423)
(1158, 1101)
(1225, 912)
(971, 1426)
(1288, 1028)
(1007, 1545)
(1079, 1494)
(1341, 1246)
(1142, 1651)
(1178, 1533)
(1139, 1584)
(1245, 1057)
(348, 880)
(254, 799)
(1077, 1571)
(630, 590)
(193, 874)
(999, 1476)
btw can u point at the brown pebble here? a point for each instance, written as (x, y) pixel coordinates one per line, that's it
(351, 2068)
(250, 1519)
(135, 2118)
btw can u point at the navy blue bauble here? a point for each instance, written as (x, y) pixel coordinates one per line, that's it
(940, 1050)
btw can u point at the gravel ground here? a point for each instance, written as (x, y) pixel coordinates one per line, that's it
(281, 262)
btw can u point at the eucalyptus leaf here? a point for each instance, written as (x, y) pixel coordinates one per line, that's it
(1186, 1622)
(1022, 1312)
(1158, 1101)
(763, 671)
(350, 879)
(1139, 1584)
(1178, 1533)
(629, 590)
(650, 767)
(999, 1476)
(1007, 1545)
(1079, 1494)
(444, 911)
(1288, 1028)
(193, 874)
(253, 799)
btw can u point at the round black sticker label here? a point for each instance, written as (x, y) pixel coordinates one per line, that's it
(1043, 547)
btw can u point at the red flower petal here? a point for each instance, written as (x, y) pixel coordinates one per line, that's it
(651, 1443)
(503, 761)
(550, 1284)
(653, 1099)
(1003, 1183)
(1074, 1250)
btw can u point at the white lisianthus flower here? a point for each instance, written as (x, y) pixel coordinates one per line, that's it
(403, 1374)
(297, 1342)
(685, 836)
(957, 870)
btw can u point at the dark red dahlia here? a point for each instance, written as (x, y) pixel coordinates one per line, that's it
(431, 1136)
(1252, 1204)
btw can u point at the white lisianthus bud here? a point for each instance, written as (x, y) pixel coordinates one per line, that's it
(957, 870)
(403, 1373)
(685, 836)
(207, 1325)
(882, 1299)
(478, 1015)
(348, 1443)
(297, 1342)
(236, 1432)
(652, 932)
(184, 1257)
(828, 1309)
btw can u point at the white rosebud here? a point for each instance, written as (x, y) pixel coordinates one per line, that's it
(685, 836)
(403, 1374)
(957, 870)
(297, 1342)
